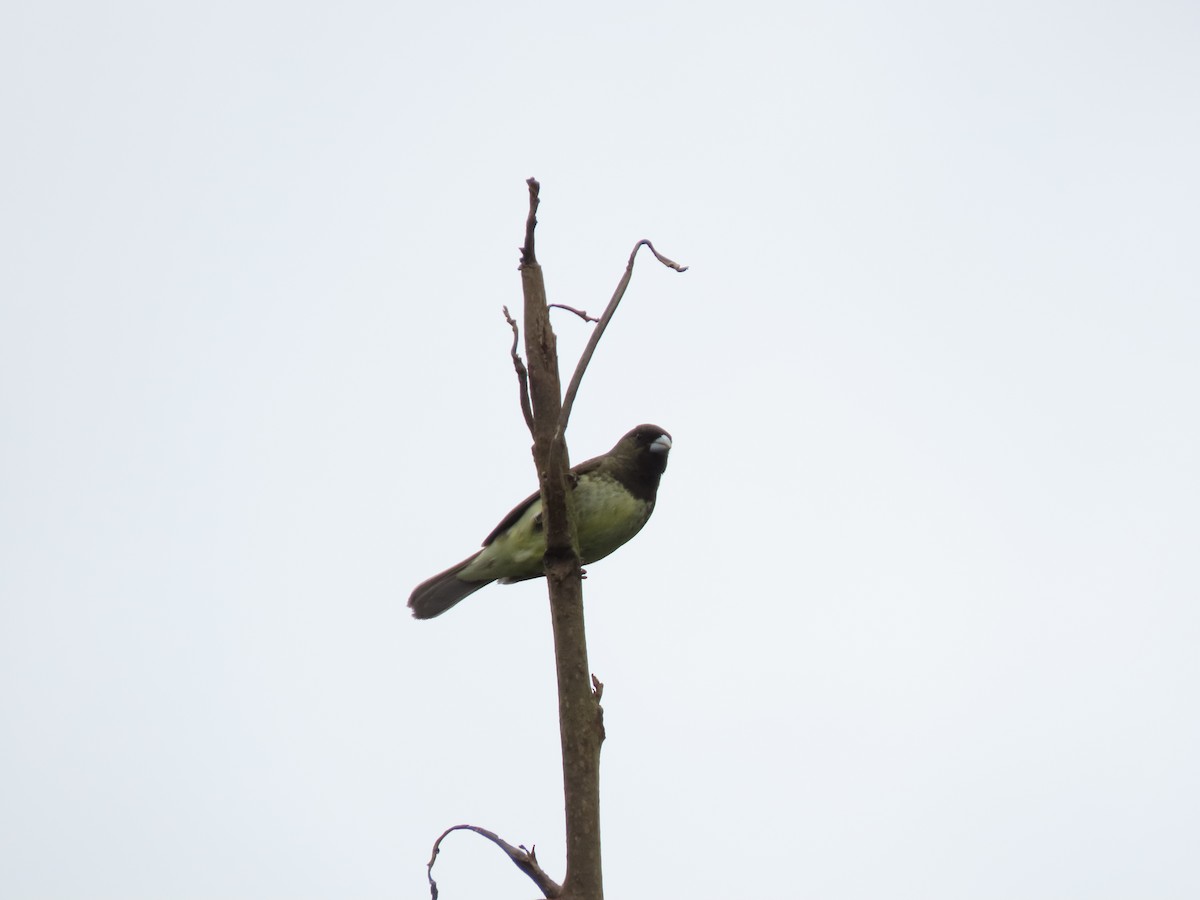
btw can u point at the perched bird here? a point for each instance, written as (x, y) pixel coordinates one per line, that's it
(613, 496)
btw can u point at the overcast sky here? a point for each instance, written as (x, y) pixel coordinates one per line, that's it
(918, 613)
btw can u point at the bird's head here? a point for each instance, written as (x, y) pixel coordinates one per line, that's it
(648, 446)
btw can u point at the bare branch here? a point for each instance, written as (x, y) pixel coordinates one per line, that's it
(576, 710)
(598, 331)
(522, 375)
(527, 255)
(525, 860)
(579, 312)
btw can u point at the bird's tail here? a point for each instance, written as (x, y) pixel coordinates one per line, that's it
(436, 595)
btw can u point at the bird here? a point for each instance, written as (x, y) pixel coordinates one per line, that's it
(613, 496)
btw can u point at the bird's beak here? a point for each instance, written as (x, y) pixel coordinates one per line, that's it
(660, 444)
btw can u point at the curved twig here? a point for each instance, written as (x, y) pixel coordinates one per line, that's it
(525, 860)
(586, 357)
(582, 313)
(522, 374)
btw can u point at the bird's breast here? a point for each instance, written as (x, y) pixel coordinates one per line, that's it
(606, 516)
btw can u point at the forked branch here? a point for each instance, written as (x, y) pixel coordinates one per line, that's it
(581, 717)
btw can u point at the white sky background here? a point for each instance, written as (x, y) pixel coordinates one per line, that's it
(917, 614)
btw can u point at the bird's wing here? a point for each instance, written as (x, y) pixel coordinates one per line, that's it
(512, 518)
(519, 510)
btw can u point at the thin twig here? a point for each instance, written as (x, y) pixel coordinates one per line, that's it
(522, 374)
(586, 357)
(579, 312)
(525, 860)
